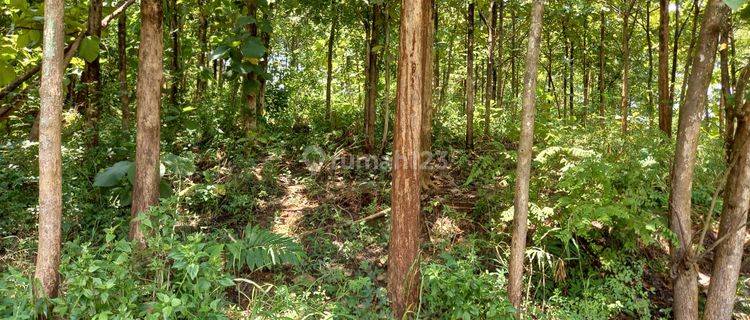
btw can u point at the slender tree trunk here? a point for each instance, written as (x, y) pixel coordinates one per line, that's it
(685, 305)
(371, 86)
(566, 49)
(403, 255)
(665, 106)
(148, 99)
(470, 78)
(647, 28)
(726, 106)
(122, 63)
(523, 169)
(251, 83)
(489, 84)
(728, 256)
(500, 74)
(436, 51)
(89, 99)
(50, 154)
(675, 47)
(200, 84)
(602, 64)
(513, 51)
(387, 88)
(625, 45)
(265, 39)
(571, 93)
(427, 110)
(586, 71)
(329, 61)
(175, 29)
(691, 48)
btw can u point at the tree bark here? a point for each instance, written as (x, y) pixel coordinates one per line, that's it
(387, 88)
(728, 255)
(89, 98)
(625, 94)
(500, 73)
(675, 47)
(251, 83)
(726, 109)
(489, 84)
(403, 255)
(372, 75)
(665, 106)
(329, 61)
(148, 99)
(122, 63)
(684, 273)
(523, 168)
(470, 78)
(427, 110)
(175, 29)
(650, 76)
(200, 84)
(691, 48)
(50, 154)
(602, 64)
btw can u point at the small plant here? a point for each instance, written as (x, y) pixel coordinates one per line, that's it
(260, 248)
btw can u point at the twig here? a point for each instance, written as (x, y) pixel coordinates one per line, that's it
(373, 216)
(719, 241)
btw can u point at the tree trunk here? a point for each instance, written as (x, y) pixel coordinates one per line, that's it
(265, 39)
(500, 74)
(122, 63)
(726, 109)
(89, 98)
(372, 75)
(523, 168)
(148, 99)
(427, 110)
(387, 88)
(329, 62)
(685, 305)
(675, 47)
(665, 106)
(586, 72)
(175, 29)
(571, 95)
(650, 77)
(625, 94)
(50, 154)
(602, 64)
(251, 84)
(728, 256)
(403, 255)
(470, 78)
(691, 48)
(513, 51)
(489, 88)
(200, 84)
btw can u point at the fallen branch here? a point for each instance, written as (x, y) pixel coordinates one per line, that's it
(70, 51)
(348, 223)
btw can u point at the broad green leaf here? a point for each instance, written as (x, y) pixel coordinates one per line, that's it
(245, 20)
(219, 52)
(7, 74)
(89, 48)
(253, 48)
(111, 176)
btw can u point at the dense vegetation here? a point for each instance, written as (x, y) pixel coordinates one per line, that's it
(371, 159)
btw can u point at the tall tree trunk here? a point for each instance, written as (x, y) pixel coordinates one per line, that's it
(691, 48)
(625, 45)
(403, 255)
(436, 51)
(500, 74)
(602, 64)
(586, 71)
(566, 49)
(726, 106)
(265, 39)
(329, 61)
(685, 305)
(523, 168)
(489, 84)
(571, 95)
(148, 99)
(470, 78)
(728, 256)
(650, 77)
(122, 76)
(200, 84)
(513, 51)
(665, 106)
(175, 29)
(387, 88)
(675, 47)
(50, 154)
(371, 85)
(89, 98)
(251, 83)
(427, 110)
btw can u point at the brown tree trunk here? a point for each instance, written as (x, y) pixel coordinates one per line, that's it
(403, 255)
(387, 88)
(684, 273)
(647, 27)
(427, 110)
(122, 63)
(675, 46)
(691, 48)
(665, 106)
(602, 64)
(329, 62)
(175, 29)
(148, 99)
(500, 74)
(513, 51)
(470, 78)
(251, 83)
(489, 88)
(89, 98)
(586, 72)
(726, 106)
(523, 168)
(50, 154)
(372, 75)
(728, 255)
(625, 45)
(200, 84)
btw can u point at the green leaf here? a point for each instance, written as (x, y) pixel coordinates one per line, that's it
(219, 52)
(7, 74)
(253, 48)
(245, 20)
(89, 48)
(735, 4)
(192, 270)
(111, 176)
